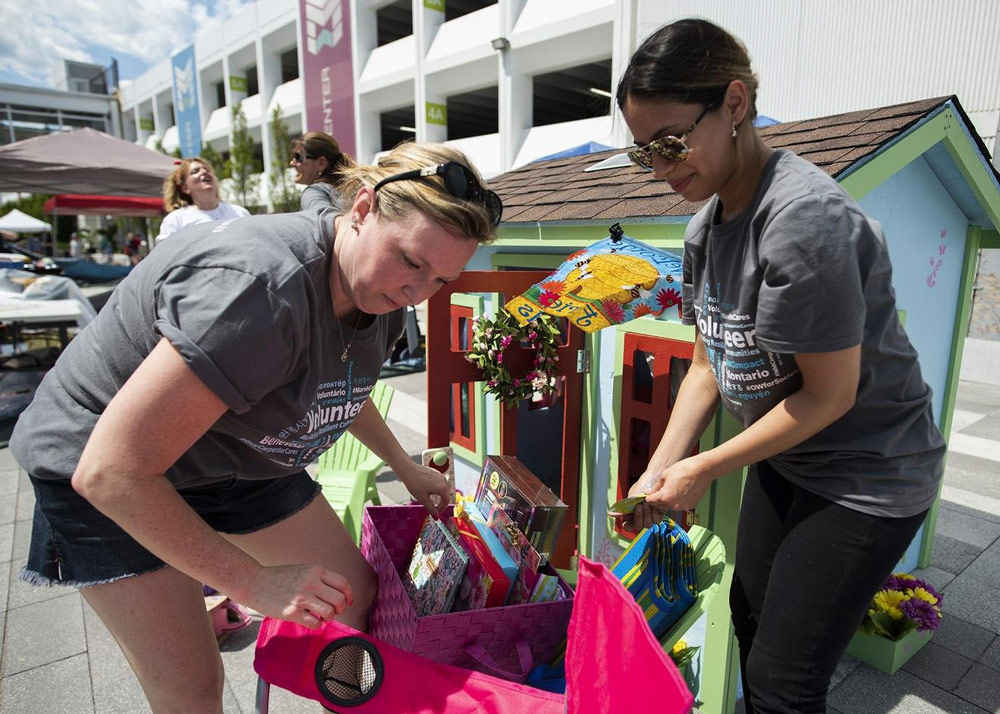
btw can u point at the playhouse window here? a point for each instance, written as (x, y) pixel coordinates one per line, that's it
(652, 370)
(463, 405)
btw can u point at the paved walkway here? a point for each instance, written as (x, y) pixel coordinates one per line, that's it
(57, 656)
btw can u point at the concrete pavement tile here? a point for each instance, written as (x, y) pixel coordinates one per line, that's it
(23, 482)
(392, 491)
(971, 473)
(980, 687)
(6, 542)
(62, 686)
(22, 593)
(25, 504)
(7, 461)
(935, 576)
(953, 556)
(8, 508)
(8, 481)
(974, 509)
(963, 637)
(987, 427)
(967, 528)
(868, 691)
(974, 598)
(43, 633)
(991, 657)
(939, 666)
(977, 396)
(845, 666)
(116, 689)
(22, 540)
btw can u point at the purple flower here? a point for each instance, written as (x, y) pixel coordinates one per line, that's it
(505, 341)
(922, 612)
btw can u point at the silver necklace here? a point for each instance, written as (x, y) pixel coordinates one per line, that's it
(354, 333)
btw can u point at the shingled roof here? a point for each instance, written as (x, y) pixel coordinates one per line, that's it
(560, 190)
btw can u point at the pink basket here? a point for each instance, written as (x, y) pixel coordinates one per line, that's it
(503, 641)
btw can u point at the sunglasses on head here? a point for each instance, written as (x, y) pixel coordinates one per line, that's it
(298, 157)
(460, 183)
(668, 148)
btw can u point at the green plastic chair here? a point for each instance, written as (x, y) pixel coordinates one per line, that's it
(347, 470)
(710, 562)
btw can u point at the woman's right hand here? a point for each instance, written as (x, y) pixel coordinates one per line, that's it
(306, 594)
(646, 515)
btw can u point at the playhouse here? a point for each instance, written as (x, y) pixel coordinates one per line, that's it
(918, 168)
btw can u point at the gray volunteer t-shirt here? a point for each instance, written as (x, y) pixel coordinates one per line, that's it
(247, 304)
(804, 270)
(320, 195)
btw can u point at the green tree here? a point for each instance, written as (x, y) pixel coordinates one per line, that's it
(284, 196)
(213, 157)
(244, 168)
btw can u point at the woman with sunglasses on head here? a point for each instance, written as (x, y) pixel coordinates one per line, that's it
(191, 196)
(167, 446)
(318, 163)
(788, 284)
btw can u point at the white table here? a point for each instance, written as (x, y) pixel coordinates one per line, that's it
(58, 314)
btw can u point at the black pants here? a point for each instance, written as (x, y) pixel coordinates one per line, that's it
(806, 569)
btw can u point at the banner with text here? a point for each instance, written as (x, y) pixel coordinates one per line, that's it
(328, 73)
(187, 114)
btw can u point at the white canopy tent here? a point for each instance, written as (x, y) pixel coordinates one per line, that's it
(19, 222)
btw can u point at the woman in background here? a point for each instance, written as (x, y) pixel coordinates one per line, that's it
(318, 163)
(191, 195)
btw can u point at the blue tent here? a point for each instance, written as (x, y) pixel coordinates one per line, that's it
(589, 148)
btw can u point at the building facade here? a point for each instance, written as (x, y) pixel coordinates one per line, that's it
(82, 96)
(511, 81)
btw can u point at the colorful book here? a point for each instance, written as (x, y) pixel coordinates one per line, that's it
(485, 584)
(435, 571)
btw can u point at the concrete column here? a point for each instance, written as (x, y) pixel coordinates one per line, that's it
(364, 39)
(514, 87)
(623, 45)
(429, 105)
(268, 79)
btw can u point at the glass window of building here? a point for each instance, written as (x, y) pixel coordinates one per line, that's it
(457, 8)
(473, 113)
(289, 65)
(394, 22)
(397, 125)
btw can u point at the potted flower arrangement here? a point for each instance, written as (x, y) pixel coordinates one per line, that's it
(900, 620)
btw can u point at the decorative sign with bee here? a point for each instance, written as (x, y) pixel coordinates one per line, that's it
(610, 282)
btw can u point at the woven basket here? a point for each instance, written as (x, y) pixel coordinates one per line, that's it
(493, 640)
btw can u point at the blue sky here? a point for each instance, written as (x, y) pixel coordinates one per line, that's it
(35, 35)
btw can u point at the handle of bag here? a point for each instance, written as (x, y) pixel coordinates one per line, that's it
(479, 653)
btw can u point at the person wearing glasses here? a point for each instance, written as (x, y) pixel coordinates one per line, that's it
(318, 163)
(191, 196)
(788, 284)
(167, 447)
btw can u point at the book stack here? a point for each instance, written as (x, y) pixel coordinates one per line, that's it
(492, 550)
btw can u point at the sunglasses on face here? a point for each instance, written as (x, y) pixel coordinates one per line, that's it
(668, 148)
(460, 183)
(298, 157)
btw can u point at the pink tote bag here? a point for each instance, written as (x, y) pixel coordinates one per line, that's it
(613, 664)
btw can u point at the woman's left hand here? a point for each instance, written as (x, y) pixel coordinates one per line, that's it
(428, 486)
(681, 486)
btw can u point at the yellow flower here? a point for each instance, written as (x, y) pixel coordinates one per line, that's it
(679, 647)
(888, 601)
(923, 595)
(904, 576)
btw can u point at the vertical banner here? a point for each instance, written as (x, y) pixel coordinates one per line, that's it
(327, 71)
(186, 111)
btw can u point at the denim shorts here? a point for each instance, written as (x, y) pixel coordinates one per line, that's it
(72, 543)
